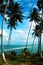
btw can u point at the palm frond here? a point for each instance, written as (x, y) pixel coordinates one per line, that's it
(1, 1)
(34, 15)
(40, 4)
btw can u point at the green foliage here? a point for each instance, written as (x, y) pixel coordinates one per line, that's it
(25, 53)
(36, 30)
(1, 1)
(15, 15)
(40, 4)
(34, 15)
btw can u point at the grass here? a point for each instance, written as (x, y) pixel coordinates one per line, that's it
(23, 59)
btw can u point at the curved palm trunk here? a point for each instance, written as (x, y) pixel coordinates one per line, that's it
(2, 45)
(9, 39)
(40, 36)
(40, 45)
(40, 51)
(41, 28)
(28, 35)
(33, 44)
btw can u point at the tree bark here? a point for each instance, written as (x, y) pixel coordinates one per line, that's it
(40, 45)
(9, 39)
(2, 45)
(40, 51)
(28, 35)
(33, 44)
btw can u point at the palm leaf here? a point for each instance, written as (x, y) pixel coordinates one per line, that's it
(40, 4)
(1, 1)
(34, 16)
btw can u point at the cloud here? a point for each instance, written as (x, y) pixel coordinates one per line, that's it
(20, 35)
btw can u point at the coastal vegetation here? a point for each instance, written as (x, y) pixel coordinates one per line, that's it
(13, 10)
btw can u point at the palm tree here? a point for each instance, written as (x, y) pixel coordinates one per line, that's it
(3, 11)
(40, 6)
(11, 24)
(36, 34)
(33, 16)
(15, 16)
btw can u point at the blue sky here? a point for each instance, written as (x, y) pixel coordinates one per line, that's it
(20, 34)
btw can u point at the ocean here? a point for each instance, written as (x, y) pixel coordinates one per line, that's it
(19, 48)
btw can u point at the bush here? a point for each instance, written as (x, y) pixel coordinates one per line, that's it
(13, 53)
(26, 53)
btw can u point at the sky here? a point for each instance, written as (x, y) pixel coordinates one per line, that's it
(19, 35)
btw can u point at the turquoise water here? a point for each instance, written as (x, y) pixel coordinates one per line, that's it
(19, 48)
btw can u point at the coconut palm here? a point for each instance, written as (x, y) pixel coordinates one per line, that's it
(36, 34)
(40, 6)
(11, 24)
(15, 16)
(3, 11)
(33, 17)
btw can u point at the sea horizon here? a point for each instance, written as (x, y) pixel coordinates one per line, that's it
(19, 48)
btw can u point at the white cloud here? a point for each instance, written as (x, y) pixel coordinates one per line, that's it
(19, 35)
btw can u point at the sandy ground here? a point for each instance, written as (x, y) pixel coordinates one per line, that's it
(29, 63)
(26, 63)
(6, 64)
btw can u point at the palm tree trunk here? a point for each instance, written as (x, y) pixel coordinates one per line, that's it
(2, 45)
(33, 44)
(41, 27)
(40, 36)
(28, 35)
(40, 51)
(38, 44)
(9, 39)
